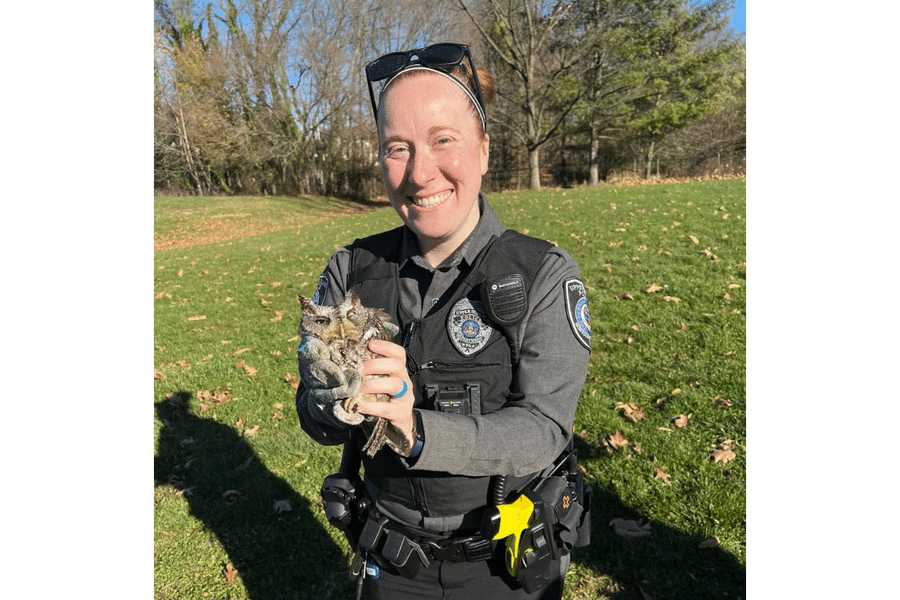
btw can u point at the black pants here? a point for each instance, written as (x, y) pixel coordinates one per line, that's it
(483, 580)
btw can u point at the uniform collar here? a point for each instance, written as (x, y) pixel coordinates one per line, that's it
(488, 226)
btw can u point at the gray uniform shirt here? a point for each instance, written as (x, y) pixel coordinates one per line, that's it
(533, 428)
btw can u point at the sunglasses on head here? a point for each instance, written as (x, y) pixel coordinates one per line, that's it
(436, 56)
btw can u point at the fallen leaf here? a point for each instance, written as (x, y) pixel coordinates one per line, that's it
(181, 272)
(694, 239)
(197, 318)
(625, 297)
(720, 400)
(237, 352)
(615, 441)
(682, 420)
(279, 314)
(733, 286)
(292, 380)
(671, 299)
(723, 455)
(652, 288)
(240, 423)
(662, 475)
(252, 431)
(631, 411)
(666, 429)
(710, 543)
(683, 327)
(230, 574)
(158, 376)
(629, 529)
(726, 297)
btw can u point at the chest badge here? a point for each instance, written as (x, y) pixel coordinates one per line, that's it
(469, 327)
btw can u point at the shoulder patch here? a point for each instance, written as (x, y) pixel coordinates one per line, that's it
(321, 290)
(579, 316)
(469, 326)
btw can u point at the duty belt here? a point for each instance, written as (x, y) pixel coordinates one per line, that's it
(468, 549)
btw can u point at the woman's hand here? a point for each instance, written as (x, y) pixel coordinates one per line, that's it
(391, 366)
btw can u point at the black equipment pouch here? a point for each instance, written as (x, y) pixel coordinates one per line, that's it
(340, 500)
(458, 399)
(390, 546)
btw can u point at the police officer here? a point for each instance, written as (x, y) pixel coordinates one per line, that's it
(493, 351)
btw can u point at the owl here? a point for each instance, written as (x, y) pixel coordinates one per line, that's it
(334, 343)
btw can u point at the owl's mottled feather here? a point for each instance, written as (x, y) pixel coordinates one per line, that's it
(337, 337)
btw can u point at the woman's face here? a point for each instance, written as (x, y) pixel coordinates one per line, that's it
(432, 159)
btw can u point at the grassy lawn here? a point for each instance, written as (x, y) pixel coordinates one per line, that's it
(660, 428)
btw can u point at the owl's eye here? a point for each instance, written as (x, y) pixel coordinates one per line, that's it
(323, 321)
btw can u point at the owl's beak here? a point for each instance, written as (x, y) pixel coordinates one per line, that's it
(343, 333)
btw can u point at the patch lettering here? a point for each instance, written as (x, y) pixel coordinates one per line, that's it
(469, 326)
(579, 316)
(321, 290)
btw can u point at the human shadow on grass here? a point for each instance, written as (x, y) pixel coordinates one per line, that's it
(277, 554)
(667, 565)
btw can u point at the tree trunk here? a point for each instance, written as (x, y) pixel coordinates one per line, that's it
(648, 166)
(595, 157)
(534, 168)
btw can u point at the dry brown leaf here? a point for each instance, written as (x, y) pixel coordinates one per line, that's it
(197, 318)
(240, 423)
(616, 440)
(237, 352)
(292, 381)
(631, 411)
(723, 455)
(625, 297)
(671, 299)
(720, 400)
(683, 327)
(181, 272)
(694, 239)
(660, 474)
(652, 288)
(710, 543)
(733, 286)
(279, 314)
(230, 574)
(630, 529)
(726, 296)
(158, 376)
(252, 430)
(682, 420)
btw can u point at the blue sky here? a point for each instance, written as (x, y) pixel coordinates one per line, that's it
(739, 20)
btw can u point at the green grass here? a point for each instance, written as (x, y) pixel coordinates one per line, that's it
(218, 476)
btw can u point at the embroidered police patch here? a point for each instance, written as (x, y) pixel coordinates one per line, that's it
(321, 290)
(469, 327)
(577, 311)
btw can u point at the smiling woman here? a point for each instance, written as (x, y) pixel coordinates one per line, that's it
(433, 156)
(484, 376)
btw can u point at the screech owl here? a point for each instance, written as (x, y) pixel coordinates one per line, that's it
(334, 345)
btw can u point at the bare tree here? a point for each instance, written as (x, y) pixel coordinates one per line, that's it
(527, 37)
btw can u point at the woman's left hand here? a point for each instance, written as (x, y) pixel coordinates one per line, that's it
(391, 365)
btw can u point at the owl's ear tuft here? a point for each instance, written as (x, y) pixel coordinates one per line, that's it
(353, 299)
(306, 304)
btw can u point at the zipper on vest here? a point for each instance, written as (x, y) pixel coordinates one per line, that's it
(433, 364)
(409, 333)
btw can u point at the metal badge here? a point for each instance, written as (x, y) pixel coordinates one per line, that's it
(469, 327)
